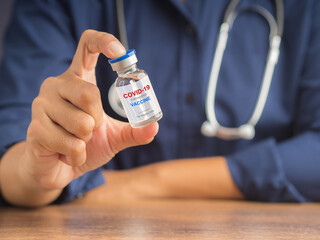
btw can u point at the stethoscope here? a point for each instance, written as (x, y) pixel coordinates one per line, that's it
(211, 127)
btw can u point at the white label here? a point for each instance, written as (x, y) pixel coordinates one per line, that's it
(139, 100)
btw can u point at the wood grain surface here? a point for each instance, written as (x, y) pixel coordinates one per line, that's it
(167, 219)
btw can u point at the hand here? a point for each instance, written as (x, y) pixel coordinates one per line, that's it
(69, 133)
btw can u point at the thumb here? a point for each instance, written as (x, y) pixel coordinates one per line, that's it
(140, 136)
(121, 135)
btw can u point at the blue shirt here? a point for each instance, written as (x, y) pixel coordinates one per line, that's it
(175, 43)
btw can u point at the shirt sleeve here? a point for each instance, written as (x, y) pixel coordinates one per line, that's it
(289, 170)
(39, 43)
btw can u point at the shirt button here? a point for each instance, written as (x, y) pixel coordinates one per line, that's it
(190, 98)
(80, 195)
(190, 30)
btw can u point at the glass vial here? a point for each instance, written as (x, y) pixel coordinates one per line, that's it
(135, 91)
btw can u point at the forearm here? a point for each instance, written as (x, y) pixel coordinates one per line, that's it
(16, 186)
(186, 178)
(196, 178)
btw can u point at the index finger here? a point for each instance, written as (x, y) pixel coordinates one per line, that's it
(91, 44)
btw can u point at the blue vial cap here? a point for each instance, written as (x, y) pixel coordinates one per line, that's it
(129, 53)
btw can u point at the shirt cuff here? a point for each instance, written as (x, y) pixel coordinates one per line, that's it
(79, 186)
(259, 174)
(13, 134)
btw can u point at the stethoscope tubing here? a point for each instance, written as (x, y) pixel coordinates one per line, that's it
(211, 127)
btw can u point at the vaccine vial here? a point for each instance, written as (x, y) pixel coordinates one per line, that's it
(135, 91)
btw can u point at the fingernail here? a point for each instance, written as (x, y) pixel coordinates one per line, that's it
(115, 49)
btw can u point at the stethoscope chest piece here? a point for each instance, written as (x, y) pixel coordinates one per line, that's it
(245, 131)
(115, 101)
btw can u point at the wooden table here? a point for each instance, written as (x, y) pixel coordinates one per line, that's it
(166, 219)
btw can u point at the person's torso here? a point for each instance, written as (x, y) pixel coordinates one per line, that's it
(175, 43)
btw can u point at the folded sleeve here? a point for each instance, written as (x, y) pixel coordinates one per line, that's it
(259, 173)
(39, 43)
(288, 170)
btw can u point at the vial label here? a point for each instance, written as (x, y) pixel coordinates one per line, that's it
(139, 100)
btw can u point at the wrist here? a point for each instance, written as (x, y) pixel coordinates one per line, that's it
(39, 192)
(17, 186)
